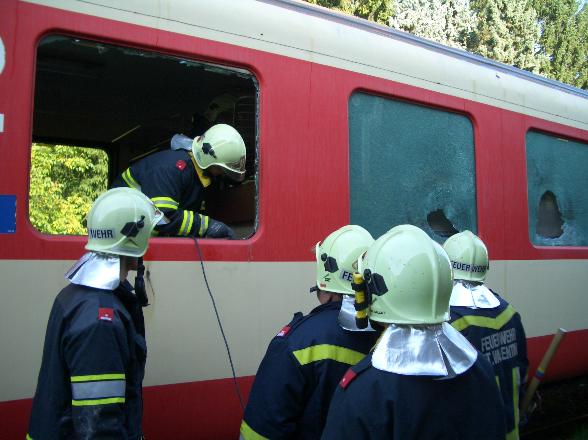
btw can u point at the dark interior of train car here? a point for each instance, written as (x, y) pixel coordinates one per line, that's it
(129, 102)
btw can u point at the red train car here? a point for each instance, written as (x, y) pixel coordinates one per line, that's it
(344, 121)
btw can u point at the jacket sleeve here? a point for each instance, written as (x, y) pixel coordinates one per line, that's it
(165, 189)
(276, 401)
(97, 356)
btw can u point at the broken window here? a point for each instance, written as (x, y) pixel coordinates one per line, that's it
(410, 164)
(128, 103)
(556, 178)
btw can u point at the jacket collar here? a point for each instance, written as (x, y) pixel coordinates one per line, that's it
(204, 180)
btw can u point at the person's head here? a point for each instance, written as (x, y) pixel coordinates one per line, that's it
(120, 222)
(468, 255)
(221, 109)
(407, 277)
(336, 259)
(221, 151)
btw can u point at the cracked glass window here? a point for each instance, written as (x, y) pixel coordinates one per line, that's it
(410, 164)
(557, 179)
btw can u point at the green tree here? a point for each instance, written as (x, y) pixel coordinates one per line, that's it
(379, 11)
(564, 40)
(64, 182)
(507, 31)
(449, 22)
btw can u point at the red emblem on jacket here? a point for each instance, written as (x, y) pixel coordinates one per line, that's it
(180, 165)
(347, 378)
(284, 331)
(105, 314)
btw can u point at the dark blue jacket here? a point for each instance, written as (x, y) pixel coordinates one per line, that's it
(499, 335)
(92, 369)
(296, 379)
(374, 404)
(170, 179)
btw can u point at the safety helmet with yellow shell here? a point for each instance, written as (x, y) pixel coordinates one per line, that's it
(120, 222)
(468, 255)
(336, 258)
(223, 146)
(407, 277)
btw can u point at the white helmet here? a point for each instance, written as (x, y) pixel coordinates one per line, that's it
(336, 258)
(408, 277)
(120, 222)
(468, 255)
(220, 145)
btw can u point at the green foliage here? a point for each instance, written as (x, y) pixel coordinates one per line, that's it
(64, 182)
(379, 11)
(449, 22)
(564, 40)
(507, 31)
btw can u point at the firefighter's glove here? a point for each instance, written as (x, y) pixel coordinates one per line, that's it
(218, 229)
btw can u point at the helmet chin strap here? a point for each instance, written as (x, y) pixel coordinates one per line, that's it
(140, 291)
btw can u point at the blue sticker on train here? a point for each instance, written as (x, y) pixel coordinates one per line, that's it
(7, 214)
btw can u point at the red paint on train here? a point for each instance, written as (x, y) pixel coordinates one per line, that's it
(287, 171)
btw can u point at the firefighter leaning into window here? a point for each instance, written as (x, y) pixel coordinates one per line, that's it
(94, 353)
(489, 322)
(423, 380)
(307, 358)
(175, 179)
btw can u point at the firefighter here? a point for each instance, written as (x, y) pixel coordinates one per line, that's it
(94, 353)
(490, 323)
(175, 179)
(307, 358)
(423, 380)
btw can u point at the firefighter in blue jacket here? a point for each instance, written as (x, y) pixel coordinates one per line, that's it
(423, 380)
(489, 322)
(175, 179)
(94, 353)
(308, 357)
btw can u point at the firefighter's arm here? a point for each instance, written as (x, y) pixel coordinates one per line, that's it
(97, 355)
(165, 189)
(277, 398)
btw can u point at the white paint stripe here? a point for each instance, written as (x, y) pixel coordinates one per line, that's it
(1, 123)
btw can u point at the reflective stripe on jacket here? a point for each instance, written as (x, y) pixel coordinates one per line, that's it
(92, 369)
(171, 179)
(296, 379)
(499, 335)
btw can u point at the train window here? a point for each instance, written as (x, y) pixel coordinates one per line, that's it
(129, 103)
(410, 164)
(556, 176)
(65, 180)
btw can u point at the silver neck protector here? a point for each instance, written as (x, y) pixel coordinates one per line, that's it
(347, 316)
(474, 296)
(98, 270)
(424, 350)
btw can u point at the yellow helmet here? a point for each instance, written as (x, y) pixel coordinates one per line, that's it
(336, 258)
(468, 255)
(408, 277)
(220, 145)
(120, 222)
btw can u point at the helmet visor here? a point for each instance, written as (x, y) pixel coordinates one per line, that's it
(238, 166)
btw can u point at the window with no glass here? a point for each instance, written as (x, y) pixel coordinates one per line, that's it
(410, 164)
(100, 107)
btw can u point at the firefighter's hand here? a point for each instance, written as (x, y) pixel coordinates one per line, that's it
(218, 229)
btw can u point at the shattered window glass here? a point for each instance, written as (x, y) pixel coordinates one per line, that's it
(410, 164)
(557, 178)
